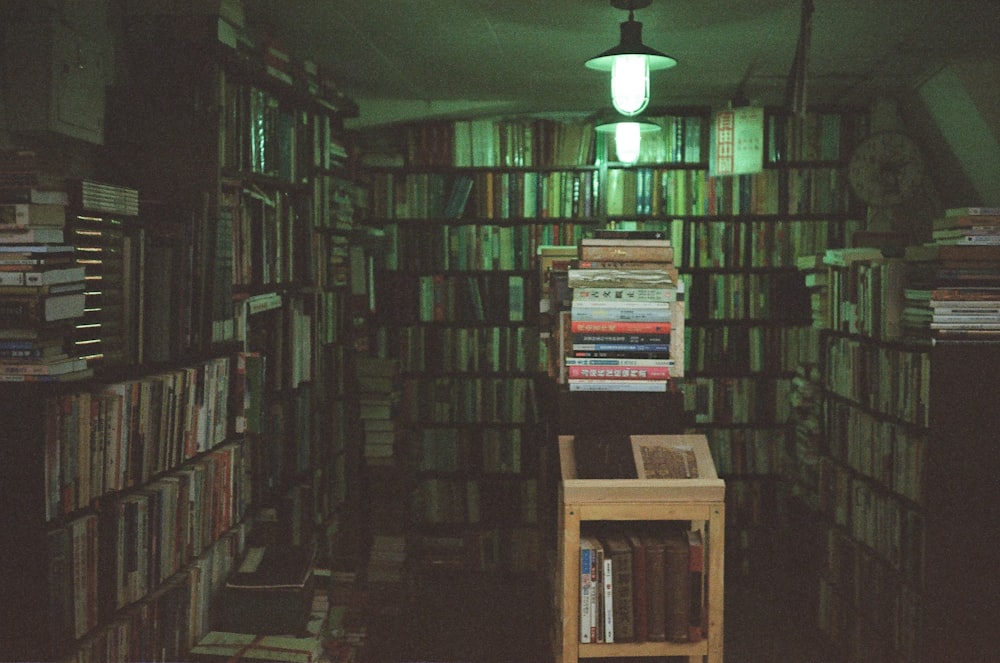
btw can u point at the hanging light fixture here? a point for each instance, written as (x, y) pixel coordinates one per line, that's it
(628, 134)
(630, 62)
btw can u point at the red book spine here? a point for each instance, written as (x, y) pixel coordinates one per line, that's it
(607, 327)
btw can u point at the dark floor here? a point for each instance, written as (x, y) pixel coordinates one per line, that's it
(487, 621)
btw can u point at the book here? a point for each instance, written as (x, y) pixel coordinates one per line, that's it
(618, 553)
(972, 211)
(696, 569)
(587, 337)
(640, 587)
(46, 367)
(614, 312)
(40, 290)
(644, 348)
(33, 216)
(21, 234)
(626, 249)
(42, 277)
(591, 384)
(618, 327)
(34, 196)
(655, 545)
(588, 602)
(615, 294)
(677, 585)
(665, 457)
(618, 372)
(608, 599)
(30, 309)
(620, 278)
(618, 361)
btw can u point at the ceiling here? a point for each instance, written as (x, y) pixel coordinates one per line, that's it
(409, 59)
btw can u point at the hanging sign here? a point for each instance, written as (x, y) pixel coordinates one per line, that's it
(737, 142)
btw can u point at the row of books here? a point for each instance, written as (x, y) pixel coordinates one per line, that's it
(889, 452)
(100, 562)
(662, 192)
(491, 450)
(430, 349)
(775, 296)
(740, 349)
(475, 400)
(642, 585)
(753, 242)
(890, 527)
(466, 247)
(121, 434)
(473, 298)
(527, 194)
(904, 393)
(496, 500)
(737, 400)
(883, 628)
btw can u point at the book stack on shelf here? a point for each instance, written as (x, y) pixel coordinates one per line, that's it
(626, 321)
(378, 385)
(954, 286)
(41, 288)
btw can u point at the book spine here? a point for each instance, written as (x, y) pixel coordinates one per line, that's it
(618, 385)
(622, 338)
(618, 361)
(622, 347)
(625, 295)
(628, 313)
(618, 327)
(619, 372)
(608, 583)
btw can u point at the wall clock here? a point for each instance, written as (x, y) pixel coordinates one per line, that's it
(885, 169)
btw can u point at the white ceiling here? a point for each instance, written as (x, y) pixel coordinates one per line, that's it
(408, 58)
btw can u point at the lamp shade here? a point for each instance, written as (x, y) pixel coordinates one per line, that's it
(628, 137)
(630, 63)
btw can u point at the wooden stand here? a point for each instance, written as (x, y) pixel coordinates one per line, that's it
(700, 500)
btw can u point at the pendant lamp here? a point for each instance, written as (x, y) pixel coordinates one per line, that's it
(630, 62)
(628, 136)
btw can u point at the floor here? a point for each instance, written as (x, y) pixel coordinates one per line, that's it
(491, 621)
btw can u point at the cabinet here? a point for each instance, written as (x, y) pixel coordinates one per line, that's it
(581, 500)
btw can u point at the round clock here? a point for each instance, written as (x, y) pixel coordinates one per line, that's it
(885, 169)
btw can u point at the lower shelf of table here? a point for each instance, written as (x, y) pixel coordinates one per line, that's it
(644, 649)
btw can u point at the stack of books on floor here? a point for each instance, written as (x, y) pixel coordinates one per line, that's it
(626, 314)
(954, 286)
(41, 288)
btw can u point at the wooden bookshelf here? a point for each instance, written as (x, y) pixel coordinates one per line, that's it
(582, 500)
(227, 339)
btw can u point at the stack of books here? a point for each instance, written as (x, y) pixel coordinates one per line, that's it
(378, 385)
(41, 287)
(954, 287)
(626, 322)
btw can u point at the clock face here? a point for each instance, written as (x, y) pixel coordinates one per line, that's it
(885, 169)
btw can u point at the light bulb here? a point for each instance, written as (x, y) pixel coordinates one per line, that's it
(627, 141)
(630, 83)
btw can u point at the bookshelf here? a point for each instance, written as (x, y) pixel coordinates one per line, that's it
(736, 240)
(904, 458)
(464, 206)
(229, 307)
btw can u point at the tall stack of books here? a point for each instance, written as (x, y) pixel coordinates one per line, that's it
(954, 285)
(41, 284)
(626, 315)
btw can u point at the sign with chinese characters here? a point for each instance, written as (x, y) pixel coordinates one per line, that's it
(737, 142)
